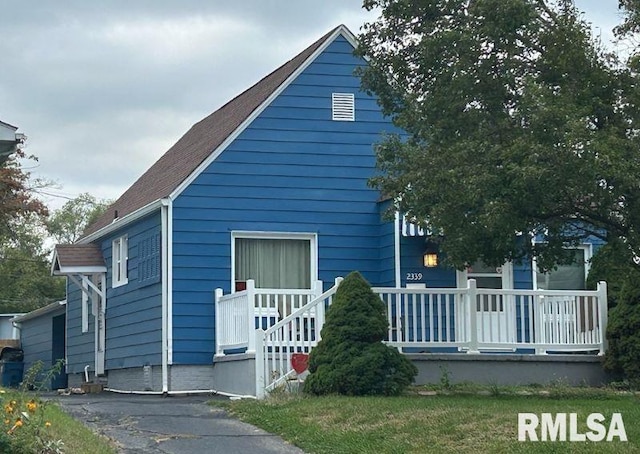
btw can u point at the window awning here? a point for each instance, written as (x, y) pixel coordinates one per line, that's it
(410, 229)
(77, 259)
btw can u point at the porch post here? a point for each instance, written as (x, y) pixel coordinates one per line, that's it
(251, 315)
(259, 360)
(218, 294)
(472, 298)
(603, 315)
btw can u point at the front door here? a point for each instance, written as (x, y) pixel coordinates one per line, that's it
(494, 315)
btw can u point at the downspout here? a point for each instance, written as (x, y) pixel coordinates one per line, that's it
(164, 215)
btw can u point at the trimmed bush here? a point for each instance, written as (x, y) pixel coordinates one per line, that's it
(351, 358)
(623, 332)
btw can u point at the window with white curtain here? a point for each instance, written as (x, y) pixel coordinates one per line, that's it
(273, 262)
(566, 277)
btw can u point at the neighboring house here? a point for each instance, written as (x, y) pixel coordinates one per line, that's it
(9, 334)
(42, 338)
(9, 140)
(269, 191)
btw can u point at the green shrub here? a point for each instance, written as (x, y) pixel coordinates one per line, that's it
(623, 332)
(611, 263)
(351, 358)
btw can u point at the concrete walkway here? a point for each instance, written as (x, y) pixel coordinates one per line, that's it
(178, 425)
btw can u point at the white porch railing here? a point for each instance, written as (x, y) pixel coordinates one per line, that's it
(476, 320)
(239, 314)
(275, 324)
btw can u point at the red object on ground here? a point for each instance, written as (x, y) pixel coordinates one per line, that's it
(300, 362)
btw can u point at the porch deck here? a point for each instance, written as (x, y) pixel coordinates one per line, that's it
(272, 324)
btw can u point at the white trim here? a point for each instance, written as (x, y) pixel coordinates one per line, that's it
(396, 250)
(506, 275)
(341, 30)
(164, 327)
(122, 222)
(65, 270)
(170, 282)
(588, 254)
(311, 237)
(120, 263)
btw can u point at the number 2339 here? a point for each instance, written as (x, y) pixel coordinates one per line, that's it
(414, 276)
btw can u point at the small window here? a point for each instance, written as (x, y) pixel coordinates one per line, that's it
(119, 261)
(343, 107)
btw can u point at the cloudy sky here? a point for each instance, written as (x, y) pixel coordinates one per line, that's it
(103, 88)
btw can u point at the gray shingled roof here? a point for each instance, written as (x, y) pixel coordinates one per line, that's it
(77, 256)
(183, 158)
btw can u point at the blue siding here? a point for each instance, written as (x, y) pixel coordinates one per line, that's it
(134, 310)
(292, 170)
(36, 337)
(80, 346)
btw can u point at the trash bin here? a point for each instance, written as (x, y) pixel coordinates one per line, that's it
(11, 366)
(11, 372)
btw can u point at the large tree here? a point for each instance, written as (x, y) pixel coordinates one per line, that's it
(25, 279)
(515, 124)
(67, 224)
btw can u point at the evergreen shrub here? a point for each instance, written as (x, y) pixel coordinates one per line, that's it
(350, 358)
(623, 333)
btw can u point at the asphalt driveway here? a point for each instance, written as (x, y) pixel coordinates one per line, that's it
(179, 425)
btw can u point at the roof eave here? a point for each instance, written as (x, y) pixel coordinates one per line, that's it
(118, 223)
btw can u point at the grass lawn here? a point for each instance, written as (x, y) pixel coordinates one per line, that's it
(77, 438)
(30, 425)
(456, 420)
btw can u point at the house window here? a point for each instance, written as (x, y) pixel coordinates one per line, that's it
(566, 277)
(119, 261)
(343, 107)
(274, 262)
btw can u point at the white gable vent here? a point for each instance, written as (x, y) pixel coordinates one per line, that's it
(343, 107)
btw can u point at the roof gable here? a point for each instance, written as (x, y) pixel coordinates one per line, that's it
(204, 141)
(77, 259)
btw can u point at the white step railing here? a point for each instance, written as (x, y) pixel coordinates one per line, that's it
(239, 314)
(299, 332)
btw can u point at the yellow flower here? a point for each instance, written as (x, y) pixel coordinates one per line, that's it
(6, 421)
(18, 423)
(8, 408)
(31, 406)
(47, 424)
(2, 391)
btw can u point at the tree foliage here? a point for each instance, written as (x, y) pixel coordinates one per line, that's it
(351, 358)
(25, 269)
(25, 279)
(515, 124)
(17, 198)
(67, 224)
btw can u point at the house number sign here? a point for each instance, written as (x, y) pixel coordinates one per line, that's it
(414, 276)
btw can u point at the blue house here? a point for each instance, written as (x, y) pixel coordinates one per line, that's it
(269, 193)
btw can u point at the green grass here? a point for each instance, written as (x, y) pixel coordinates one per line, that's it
(77, 438)
(465, 419)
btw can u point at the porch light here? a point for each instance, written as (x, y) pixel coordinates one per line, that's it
(430, 257)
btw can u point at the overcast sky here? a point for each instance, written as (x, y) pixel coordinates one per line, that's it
(103, 88)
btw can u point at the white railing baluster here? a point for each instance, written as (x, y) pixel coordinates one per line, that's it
(290, 321)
